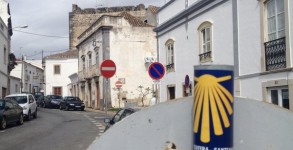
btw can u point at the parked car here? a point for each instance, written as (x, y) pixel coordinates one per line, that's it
(71, 102)
(27, 102)
(52, 101)
(121, 114)
(40, 101)
(10, 112)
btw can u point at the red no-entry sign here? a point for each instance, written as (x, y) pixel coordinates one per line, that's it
(118, 84)
(108, 68)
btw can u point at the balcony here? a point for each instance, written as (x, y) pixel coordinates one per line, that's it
(275, 54)
(207, 56)
(170, 67)
(92, 71)
(81, 76)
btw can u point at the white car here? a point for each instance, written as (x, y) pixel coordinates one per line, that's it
(27, 102)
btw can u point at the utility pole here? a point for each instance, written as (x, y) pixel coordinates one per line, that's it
(21, 78)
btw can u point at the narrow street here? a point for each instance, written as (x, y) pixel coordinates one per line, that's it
(54, 129)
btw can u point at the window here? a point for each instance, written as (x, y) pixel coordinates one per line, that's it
(275, 19)
(5, 57)
(90, 60)
(170, 55)
(56, 69)
(274, 33)
(96, 49)
(279, 96)
(83, 62)
(57, 91)
(205, 41)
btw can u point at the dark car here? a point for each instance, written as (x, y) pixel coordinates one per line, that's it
(10, 112)
(122, 113)
(52, 101)
(40, 101)
(71, 102)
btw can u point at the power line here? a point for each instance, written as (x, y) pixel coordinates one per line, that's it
(52, 36)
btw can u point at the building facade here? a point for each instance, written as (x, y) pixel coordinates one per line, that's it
(58, 68)
(124, 35)
(31, 76)
(4, 51)
(265, 52)
(192, 33)
(254, 36)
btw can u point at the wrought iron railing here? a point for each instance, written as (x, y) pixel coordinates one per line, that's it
(170, 66)
(205, 56)
(275, 54)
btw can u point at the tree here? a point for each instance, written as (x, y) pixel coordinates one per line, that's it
(144, 93)
(12, 63)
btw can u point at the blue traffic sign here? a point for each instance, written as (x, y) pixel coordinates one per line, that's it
(156, 71)
(187, 81)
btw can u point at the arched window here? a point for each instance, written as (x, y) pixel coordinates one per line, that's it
(205, 41)
(170, 55)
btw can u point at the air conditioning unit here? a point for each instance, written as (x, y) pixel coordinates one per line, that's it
(147, 59)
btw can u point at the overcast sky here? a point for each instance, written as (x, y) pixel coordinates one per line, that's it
(50, 18)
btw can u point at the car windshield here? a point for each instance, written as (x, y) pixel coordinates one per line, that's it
(73, 99)
(1, 104)
(19, 99)
(55, 97)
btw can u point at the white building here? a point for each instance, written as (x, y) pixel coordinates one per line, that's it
(265, 51)
(192, 33)
(124, 36)
(58, 68)
(15, 85)
(4, 51)
(254, 36)
(30, 74)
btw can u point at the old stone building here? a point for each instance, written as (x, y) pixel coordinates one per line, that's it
(82, 19)
(122, 34)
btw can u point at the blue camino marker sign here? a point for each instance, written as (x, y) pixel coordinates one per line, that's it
(156, 71)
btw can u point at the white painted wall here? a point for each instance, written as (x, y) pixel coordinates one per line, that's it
(186, 46)
(255, 125)
(67, 67)
(14, 85)
(173, 9)
(4, 44)
(249, 37)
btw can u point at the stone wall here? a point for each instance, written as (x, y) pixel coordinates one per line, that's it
(81, 19)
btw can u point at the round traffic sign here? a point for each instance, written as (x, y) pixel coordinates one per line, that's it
(156, 71)
(118, 84)
(108, 68)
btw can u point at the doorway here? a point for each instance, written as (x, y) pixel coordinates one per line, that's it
(279, 96)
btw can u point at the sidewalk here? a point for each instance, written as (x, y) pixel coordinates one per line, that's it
(99, 111)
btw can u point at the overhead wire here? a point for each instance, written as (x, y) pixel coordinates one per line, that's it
(52, 36)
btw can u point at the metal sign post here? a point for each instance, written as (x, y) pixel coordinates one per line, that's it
(108, 69)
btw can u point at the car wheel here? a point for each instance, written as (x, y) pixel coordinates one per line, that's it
(82, 109)
(3, 123)
(20, 119)
(35, 114)
(29, 116)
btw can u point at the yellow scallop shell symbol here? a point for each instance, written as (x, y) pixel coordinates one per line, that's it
(211, 97)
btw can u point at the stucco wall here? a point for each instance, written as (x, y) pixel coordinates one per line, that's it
(257, 126)
(67, 68)
(249, 37)
(186, 46)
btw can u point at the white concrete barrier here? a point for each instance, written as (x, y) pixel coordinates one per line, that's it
(257, 126)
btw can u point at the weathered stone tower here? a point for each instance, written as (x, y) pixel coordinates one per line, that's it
(81, 19)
